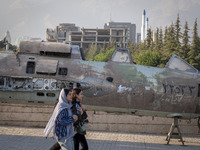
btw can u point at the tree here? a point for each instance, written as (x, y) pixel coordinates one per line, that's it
(103, 49)
(109, 45)
(165, 36)
(2, 44)
(171, 41)
(113, 43)
(169, 45)
(160, 40)
(149, 58)
(193, 54)
(185, 43)
(13, 47)
(177, 36)
(104, 56)
(156, 40)
(132, 47)
(142, 45)
(91, 53)
(149, 39)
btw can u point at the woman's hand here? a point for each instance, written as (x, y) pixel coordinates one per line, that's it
(80, 110)
(83, 107)
(75, 117)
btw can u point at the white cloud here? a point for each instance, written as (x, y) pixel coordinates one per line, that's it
(47, 22)
(20, 25)
(33, 17)
(27, 4)
(18, 4)
(196, 2)
(167, 8)
(187, 5)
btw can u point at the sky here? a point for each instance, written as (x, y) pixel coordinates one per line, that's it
(32, 17)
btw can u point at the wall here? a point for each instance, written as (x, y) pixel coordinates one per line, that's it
(37, 116)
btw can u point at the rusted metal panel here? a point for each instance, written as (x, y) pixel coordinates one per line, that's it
(55, 47)
(36, 47)
(32, 47)
(46, 66)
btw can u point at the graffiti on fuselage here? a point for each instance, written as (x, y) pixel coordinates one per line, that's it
(176, 93)
(180, 89)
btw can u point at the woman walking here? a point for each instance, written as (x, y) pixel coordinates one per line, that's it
(79, 125)
(61, 121)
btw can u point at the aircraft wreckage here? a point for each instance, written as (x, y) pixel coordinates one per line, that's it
(37, 73)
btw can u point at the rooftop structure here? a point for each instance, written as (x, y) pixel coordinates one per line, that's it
(61, 33)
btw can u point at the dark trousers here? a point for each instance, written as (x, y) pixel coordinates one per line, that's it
(56, 146)
(79, 138)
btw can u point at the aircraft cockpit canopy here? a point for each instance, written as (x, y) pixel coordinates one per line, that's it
(121, 55)
(178, 63)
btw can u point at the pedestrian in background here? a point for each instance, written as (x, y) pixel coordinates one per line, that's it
(80, 125)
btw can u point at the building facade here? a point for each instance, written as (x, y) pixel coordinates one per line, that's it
(61, 33)
(86, 37)
(131, 29)
(69, 33)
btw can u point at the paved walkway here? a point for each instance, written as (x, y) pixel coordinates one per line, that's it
(21, 138)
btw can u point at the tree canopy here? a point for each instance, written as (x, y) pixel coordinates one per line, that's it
(158, 47)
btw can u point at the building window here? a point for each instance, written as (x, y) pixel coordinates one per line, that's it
(62, 71)
(30, 68)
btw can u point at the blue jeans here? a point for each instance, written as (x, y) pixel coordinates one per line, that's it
(66, 144)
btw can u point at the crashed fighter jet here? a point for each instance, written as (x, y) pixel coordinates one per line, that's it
(39, 70)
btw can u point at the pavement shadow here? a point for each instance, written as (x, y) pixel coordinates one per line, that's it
(116, 145)
(22, 142)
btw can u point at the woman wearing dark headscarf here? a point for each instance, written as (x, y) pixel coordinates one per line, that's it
(61, 121)
(79, 110)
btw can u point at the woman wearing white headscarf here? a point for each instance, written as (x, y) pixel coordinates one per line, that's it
(61, 121)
